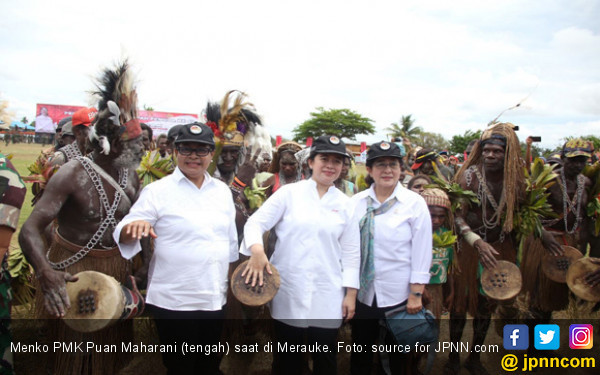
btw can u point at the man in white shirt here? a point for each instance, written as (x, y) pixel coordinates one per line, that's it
(191, 216)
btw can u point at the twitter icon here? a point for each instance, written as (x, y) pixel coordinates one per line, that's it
(546, 337)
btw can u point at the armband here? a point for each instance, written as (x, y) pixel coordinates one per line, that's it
(471, 237)
(239, 182)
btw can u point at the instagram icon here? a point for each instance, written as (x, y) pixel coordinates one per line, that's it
(581, 336)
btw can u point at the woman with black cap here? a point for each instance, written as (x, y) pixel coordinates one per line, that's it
(191, 216)
(317, 255)
(395, 231)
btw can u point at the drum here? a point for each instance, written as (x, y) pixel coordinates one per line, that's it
(98, 301)
(555, 267)
(575, 280)
(257, 295)
(502, 282)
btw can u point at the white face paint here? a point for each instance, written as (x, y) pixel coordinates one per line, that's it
(131, 154)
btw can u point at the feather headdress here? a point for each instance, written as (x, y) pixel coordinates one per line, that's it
(232, 119)
(117, 107)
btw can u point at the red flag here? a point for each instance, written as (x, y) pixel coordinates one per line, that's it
(277, 141)
(309, 141)
(363, 146)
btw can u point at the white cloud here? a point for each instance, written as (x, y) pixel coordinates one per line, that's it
(452, 65)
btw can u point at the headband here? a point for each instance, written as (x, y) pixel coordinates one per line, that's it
(427, 156)
(130, 130)
(495, 139)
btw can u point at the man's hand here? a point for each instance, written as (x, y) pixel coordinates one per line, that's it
(529, 141)
(593, 278)
(135, 230)
(247, 170)
(486, 253)
(551, 245)
(53, 285)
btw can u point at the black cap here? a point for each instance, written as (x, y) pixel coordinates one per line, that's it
(62, 122)
(384, 149)
(328, 144)
(172, 133)
(196, 132)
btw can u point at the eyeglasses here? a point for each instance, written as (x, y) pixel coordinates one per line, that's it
(384, 165)
(187, 151)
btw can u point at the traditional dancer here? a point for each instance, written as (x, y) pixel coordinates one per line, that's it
(568, 197)
(88, 198)
(494, 171)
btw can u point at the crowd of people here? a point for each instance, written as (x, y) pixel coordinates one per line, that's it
(416, 233)
(16, 136)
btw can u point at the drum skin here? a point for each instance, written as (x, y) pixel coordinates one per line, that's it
(555, 267)
(96, 302)
(254, 296)
(575, 280)
(502, 282)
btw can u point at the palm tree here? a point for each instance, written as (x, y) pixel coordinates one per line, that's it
(405, 130)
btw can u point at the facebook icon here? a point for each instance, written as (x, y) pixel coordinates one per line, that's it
(516, 337)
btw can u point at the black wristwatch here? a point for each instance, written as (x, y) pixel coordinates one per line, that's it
(417, 294)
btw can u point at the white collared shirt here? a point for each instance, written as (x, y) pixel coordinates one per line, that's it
(197, 240)
(402, 245)
(317, 252)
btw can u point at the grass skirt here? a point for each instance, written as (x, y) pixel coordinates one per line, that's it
(544, 294)
(466, 281)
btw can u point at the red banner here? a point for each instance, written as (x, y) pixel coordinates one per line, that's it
(309, 141)
(161, 122)
(48, 115)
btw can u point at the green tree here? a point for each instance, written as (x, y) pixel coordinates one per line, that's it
(458, 143)
(434, 141)
(148, 108)
(24, 120)
(343, 123)
(406, 129)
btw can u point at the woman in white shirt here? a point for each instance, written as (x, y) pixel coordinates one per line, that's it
(396, 252)
(317, 255)
(191, 216)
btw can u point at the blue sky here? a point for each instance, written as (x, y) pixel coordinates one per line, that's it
(453, 65)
